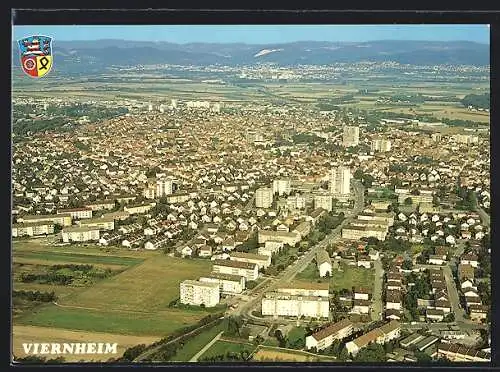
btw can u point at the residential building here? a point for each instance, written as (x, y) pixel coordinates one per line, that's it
(324, 201)
(361, 306)
(357, 232)
(60, 219)
(249, 270)
(303, 229)
(164, 186)
(381, 144)
(289, 238)
(32, 229)
(99, 223)
(264, 197)
(138, 208)
(270, 247)
(101, 205)
(228, 283)
(304, 288)
(282, 304)
(77, 212)
(340, 180)
(281, 187)
(381, 335)
(80, 234)
(262, 261)
(194, 292)
(324, 263)
(325, 337)
(350, 136)
(156, 243)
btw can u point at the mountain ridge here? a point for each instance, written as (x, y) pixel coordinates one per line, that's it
(115, 52)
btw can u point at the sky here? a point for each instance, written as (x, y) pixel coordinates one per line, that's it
(259, 34)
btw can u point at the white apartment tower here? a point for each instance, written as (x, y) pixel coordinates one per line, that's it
(164, 187)
(381, 144)
(264, 197)
(324, 201)
(281, 186)
(350, 136)
(340, 179)
(193, 292)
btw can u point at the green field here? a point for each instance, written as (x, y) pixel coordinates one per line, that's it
(351, 276)
(135, 301)
(309, 273)
(150, 285)
(112, 321)
(223, 347)
(197, 343)
(76, 257)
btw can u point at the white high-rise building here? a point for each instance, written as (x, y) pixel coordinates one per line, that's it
(194, 292)
(164, 187)
(281, 186)
(264, 197)
(381, 144)
(150, 107)
(350, 136)
(216, 107)
(324, 201)
(173, 103)
(340, 179)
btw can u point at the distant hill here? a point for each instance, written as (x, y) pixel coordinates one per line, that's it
(99, 54)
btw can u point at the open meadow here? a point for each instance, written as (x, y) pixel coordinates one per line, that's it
(132, 302)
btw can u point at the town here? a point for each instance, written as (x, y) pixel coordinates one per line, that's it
(348, 236)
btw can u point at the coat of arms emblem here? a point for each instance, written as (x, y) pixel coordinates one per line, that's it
(36, 55)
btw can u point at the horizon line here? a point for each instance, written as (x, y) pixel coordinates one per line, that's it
(265, 43)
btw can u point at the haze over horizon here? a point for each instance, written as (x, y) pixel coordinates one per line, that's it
(260, 34)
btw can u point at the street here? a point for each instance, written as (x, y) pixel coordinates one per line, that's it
(255, 295)
(377, 305)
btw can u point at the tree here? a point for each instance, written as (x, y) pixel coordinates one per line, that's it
(133, 352)
(408, 201)
(344, 354)
(372, 353)
(407, 265)
(422, 357)
(234, 324)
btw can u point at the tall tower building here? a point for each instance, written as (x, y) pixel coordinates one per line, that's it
(340, 179)
(264, 197)
(164, 186)
(281, 186)
(350, 136)
(381, 144)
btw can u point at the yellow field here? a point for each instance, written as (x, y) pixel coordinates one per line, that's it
(266, 353)
(31, 334)
(148, 286)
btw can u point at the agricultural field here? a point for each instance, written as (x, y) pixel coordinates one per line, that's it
(32, 334)
(274, 354)
(151, 285)
(133, 301)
